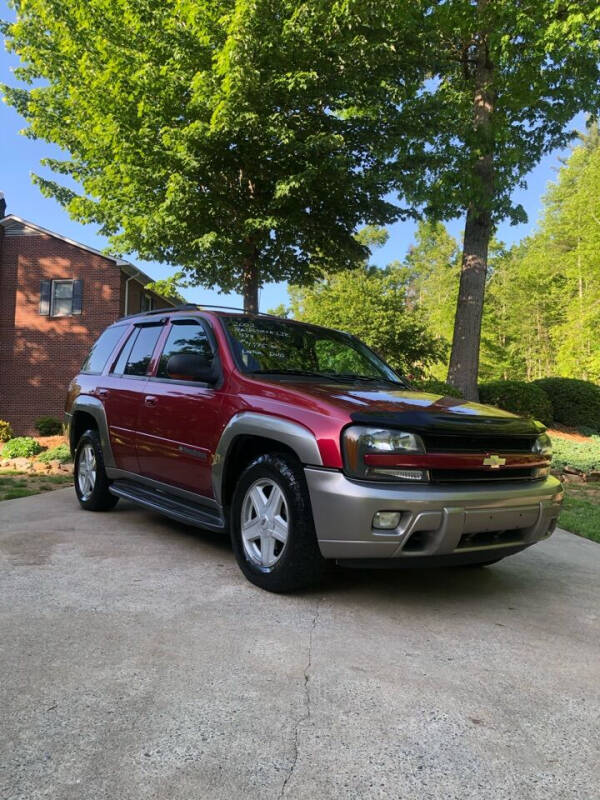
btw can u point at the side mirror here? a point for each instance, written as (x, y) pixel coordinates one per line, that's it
(192, 367)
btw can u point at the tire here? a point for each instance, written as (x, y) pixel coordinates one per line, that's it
(92, 491)
(282, 554)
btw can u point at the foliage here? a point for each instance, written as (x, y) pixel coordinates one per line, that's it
(580, 516)
(437, 387)
(48, 426)
(525, 399)
(542, 302)
(371, 304)
(59, 453)
(6, 431)
(581, 455)
(169, 287)
(506, 80)
(21, 447)
(433, 266)
(233, 138)
(575, 402)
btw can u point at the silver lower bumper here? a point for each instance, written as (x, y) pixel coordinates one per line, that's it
(435, 520)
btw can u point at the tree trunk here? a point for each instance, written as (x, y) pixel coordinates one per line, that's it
(251, 283)
(464, 359)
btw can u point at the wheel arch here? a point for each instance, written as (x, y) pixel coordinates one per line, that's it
(248, 435)
(88, 412)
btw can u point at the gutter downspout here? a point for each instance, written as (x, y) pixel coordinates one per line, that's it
(131, 277)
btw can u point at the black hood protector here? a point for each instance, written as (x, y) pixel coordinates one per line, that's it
(451, 424)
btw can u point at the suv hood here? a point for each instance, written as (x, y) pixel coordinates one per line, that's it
(418, 411)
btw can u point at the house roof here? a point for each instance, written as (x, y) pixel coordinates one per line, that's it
(12, 220)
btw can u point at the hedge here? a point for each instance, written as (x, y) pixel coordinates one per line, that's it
(525, 399)
(576, 403)
(48, 426)
(437, 387)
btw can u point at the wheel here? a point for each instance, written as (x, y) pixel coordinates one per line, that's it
(91, 483)
(272, 529)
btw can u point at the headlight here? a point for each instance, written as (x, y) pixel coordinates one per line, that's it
(543, 446)
(380, 454)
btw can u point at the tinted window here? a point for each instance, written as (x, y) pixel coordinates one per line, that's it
(135, 356)
(100, 352)
(279, 346)
(184, 337)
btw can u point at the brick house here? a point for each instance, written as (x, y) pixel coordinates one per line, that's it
(56, 296)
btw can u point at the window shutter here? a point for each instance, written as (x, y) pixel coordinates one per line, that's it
(77, 296)
(45, 291)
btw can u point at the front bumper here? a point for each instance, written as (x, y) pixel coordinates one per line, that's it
(450, 523)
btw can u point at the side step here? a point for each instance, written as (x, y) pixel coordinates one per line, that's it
(175, 507)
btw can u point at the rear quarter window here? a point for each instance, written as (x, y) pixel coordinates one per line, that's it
(102, 349)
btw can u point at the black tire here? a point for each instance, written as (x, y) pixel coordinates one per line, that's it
(299, 563)
(98, 498)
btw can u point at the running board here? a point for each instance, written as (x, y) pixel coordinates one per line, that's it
(175, 507)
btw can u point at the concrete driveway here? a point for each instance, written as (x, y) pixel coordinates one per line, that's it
(138, 663)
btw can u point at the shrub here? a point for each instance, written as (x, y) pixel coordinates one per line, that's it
(585, 431)
(21, 447)
(437, 387)
(48, 426)
(575, 402)
(60, 453)
(6, 431)
(522, 398)
(581, 455)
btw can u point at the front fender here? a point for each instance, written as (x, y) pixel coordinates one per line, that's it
(250, 423)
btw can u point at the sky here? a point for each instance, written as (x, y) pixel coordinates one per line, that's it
(21, 156)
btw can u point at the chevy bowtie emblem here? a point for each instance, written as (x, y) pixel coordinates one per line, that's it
(494, 462)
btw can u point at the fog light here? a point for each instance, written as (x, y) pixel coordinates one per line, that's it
(397, 474)
(386, 520)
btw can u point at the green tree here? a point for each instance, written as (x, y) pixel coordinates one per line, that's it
(433, 265)
(231, 138)
(506, 79)
(169, 287)
(570, 231)
(372, 304)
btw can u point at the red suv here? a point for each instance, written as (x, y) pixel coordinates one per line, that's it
(302, 443)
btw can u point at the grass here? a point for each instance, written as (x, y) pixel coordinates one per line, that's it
(581, 510)
(21, 484)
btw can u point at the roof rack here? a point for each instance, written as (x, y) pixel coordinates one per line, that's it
(197, 307)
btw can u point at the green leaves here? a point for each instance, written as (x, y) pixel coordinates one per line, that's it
(205, 134)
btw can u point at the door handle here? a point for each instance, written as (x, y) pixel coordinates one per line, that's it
(102, 393)
(150, 400)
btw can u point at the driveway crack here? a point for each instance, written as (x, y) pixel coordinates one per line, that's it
(307, 701)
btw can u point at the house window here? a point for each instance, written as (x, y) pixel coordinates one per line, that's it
(61, 298)
(146, 303)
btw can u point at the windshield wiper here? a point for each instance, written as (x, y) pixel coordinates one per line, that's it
(303, 372)
(366, 378)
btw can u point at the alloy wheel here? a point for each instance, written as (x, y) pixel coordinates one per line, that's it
(86, 471)
(264, 523)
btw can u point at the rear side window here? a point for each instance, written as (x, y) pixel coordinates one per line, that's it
(137, 352)
(100, 352)
(184, 337)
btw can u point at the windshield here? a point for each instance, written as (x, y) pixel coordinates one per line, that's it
(273, 346)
